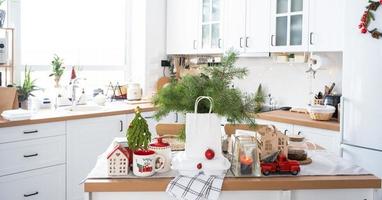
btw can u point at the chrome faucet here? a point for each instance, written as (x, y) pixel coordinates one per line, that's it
(75, 85)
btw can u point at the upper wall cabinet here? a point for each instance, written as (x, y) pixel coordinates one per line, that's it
(210, 26)
(289, 25)
(182, 26)
(246, 26)
(326, 20)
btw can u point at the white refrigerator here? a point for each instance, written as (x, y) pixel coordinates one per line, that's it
(361, 122)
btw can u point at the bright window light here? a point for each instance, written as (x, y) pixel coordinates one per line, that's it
(83, 32)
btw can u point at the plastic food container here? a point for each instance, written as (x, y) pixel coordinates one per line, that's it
(321, 112)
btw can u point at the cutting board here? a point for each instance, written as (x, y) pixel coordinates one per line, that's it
(8, 98)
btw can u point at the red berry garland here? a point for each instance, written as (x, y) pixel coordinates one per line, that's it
(367, 16)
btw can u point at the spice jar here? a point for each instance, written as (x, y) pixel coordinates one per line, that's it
(164, 149)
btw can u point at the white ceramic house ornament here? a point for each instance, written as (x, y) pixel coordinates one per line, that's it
(118, 161)
(203, 132)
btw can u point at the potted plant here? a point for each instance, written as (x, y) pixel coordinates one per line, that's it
(57, 69)
(216, 82)
(2, 14)
(25, 90)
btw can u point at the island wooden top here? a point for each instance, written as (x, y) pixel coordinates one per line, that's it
(298, 119)
(46, 116)
(232, 184)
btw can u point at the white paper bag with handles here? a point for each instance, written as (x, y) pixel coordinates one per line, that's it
(203, 131)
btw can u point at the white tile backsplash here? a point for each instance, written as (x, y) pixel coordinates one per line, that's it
(289, 84)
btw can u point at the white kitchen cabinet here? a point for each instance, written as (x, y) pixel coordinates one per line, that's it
(326, 23)
(182, 26)
(289, 25)
(210, 26)
(32, 154)
(86, 140)
(152, 122)
(33, 131)
(42, 184)
(245, 28)
(330, 140)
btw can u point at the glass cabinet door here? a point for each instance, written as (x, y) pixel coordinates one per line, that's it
(288, 23)
(211, 24)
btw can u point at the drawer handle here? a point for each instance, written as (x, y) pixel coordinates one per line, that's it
(29, 132)
(31, 194)
(149, 117)
(30, 155)
(121, 125)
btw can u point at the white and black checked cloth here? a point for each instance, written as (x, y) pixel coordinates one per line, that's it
(199, 187)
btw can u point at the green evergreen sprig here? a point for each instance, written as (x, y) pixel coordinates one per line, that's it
(214, 81)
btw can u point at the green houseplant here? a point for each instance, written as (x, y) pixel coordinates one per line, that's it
(57, 69)
(214, 81)
(25, 90)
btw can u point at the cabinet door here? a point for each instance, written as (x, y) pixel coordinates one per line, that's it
(289, 25)
(326, 23)
(152, 122)
(182, 26)
(86, 140)
(234, 25)
(257, 26)
(40, 184)
(330, 140)
(210, 26)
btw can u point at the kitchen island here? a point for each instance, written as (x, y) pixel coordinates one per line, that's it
(328, 177)
(280, 188)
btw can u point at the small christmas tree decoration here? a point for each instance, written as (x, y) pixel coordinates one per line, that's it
(210, 154)
(138, 134)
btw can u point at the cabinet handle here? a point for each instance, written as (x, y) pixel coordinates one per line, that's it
(149, 117)
(272, 39)
(219, 43)
(30, 155)
(246, 41)
(194, 44)
(31, 194)
(311, 38)
(241, 46)
(176, 118)
(299, 133)
(29, 132)
(121, 125)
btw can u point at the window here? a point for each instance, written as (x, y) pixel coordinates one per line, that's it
(83, 32)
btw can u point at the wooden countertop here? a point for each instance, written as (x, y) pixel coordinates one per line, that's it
(298, 119)
(231, 184)
(45, 116)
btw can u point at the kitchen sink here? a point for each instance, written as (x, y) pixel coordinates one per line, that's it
(84, 108)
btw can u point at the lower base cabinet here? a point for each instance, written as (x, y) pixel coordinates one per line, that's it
(86, 140)
(41, 184)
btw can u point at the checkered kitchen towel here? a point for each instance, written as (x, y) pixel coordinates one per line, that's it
(199, 187)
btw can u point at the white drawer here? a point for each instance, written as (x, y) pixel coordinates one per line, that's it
(41, 184)
(18, 133)
(26, 155)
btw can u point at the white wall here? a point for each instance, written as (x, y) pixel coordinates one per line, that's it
(148, 42)
(289, 84)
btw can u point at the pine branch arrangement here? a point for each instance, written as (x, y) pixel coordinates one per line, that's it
(214, 81)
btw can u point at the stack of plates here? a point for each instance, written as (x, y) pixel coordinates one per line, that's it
(16, 115)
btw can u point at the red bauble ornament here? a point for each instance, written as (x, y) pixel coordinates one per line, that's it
(210, 154)
(199, 166)
(364, 30)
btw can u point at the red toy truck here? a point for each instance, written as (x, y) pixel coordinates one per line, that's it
(281, 164)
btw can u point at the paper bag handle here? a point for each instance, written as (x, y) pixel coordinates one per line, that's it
(201, 98)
